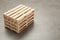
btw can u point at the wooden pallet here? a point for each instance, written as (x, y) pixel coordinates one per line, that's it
(19, 18)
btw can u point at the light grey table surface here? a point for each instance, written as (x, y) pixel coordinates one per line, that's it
(46, 23)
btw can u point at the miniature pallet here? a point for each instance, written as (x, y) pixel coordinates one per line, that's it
(19, 18)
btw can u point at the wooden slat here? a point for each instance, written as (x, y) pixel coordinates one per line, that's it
(17, 11)
(22, 13)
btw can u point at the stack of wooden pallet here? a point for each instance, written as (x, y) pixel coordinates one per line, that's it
(18, 18)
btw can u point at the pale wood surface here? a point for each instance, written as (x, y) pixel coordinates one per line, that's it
(20, 10)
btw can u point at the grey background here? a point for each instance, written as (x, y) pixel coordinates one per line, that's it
(46, 25)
